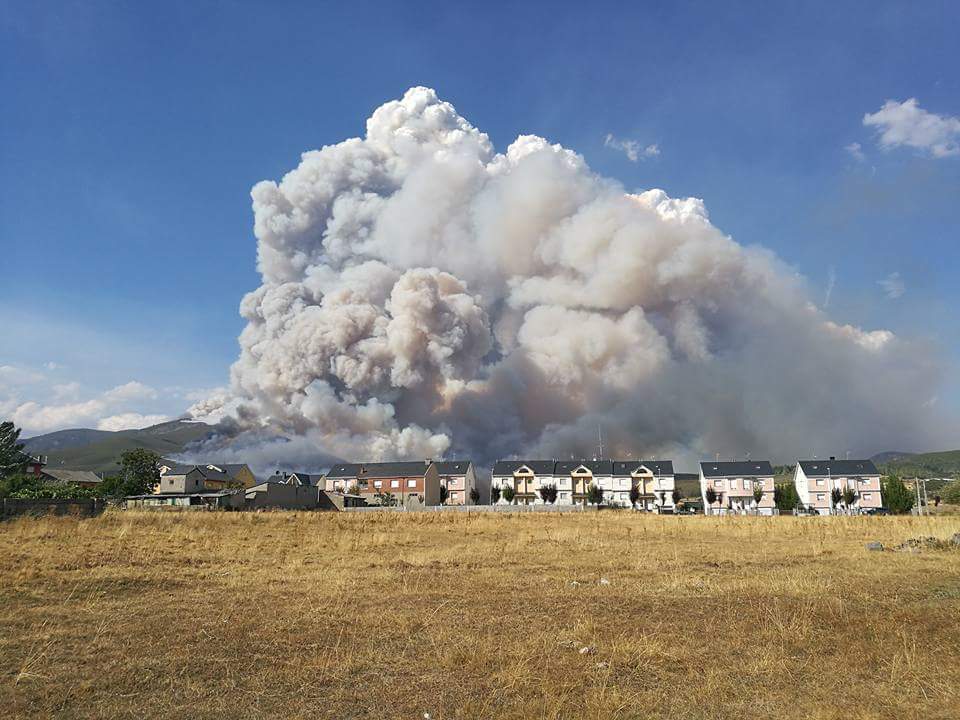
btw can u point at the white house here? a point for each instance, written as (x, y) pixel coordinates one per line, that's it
(526, 477)
(815, 481)
(733, 485)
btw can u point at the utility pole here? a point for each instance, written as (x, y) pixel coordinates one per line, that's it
(600, 438)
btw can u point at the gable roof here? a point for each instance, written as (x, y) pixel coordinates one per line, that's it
(302, 478)
(72, 476)
(744, 468)
(453, 467)
(378, 470)
(597, 467)
(210, 471)
(624, 468)
(509, 467)
(838, 468)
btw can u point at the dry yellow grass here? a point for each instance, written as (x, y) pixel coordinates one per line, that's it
(463, 616)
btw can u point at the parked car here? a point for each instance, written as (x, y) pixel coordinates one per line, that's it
(876, 511)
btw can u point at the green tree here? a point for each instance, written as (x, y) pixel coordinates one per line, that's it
(140, 470)
(12, 458)
(835, 497)
(785, 497)
(676, 496)
(896, 496)
(757, 495)
(849, 498)
(595, 495)
(711, 496)
(494, 494)
(15, 485)
(444, 494)
(548, 493)
(634, 496)
(474, 496)
(509, 494)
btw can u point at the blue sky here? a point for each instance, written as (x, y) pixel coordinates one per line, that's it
(132, 134)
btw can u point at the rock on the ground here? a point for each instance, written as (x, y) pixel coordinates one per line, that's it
(874, 546)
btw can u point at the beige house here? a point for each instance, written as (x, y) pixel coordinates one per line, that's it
(176, 478)
(459, 478)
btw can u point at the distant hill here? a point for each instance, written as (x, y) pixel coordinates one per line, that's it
(99, 450)
(925, 465)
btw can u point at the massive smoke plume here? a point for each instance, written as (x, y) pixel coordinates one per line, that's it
(424, 295)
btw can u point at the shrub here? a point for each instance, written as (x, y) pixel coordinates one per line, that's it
(474, 496)
(595, 495)
(676, 497)
(509, 494)
(951, 492)
(634, 495)
(785, 497)
(444, 494)
(896, 497)
(494, 494)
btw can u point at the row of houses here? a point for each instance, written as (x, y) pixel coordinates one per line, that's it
(823, 486)
(725, 487)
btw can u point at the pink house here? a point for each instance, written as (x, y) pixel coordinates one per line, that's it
(733, 485)
(815, 481)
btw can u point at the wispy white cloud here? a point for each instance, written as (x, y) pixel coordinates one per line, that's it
(631, 148)
(831, 282)
(893, 286)
(907, 124)
(130, 421)
(855, 150)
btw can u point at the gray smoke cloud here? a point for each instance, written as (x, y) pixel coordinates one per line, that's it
(424, 295)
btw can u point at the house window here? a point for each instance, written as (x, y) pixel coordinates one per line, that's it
(453, 497)
(377, 483)
(394, 483)
(820, 483)
(868, 496)
(821, 497)
(411, 483)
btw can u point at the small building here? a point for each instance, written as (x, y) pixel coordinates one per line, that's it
(815, 481)
(459, 478)
(33, 464)
(78, 478)
(411, 484)
(178, 478)
(282, 496)
(733, 485)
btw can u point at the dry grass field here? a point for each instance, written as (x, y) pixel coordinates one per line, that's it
(468, 616)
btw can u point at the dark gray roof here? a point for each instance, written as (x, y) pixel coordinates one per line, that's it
(306, 478)
(509, 467)
(72, 476)
(838, 468)
(744, 468)
(658, 467)
(378, 470)
(453, 467)
(597, 467)
(228, 470)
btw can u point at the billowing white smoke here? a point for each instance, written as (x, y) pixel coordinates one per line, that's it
(423, 294)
